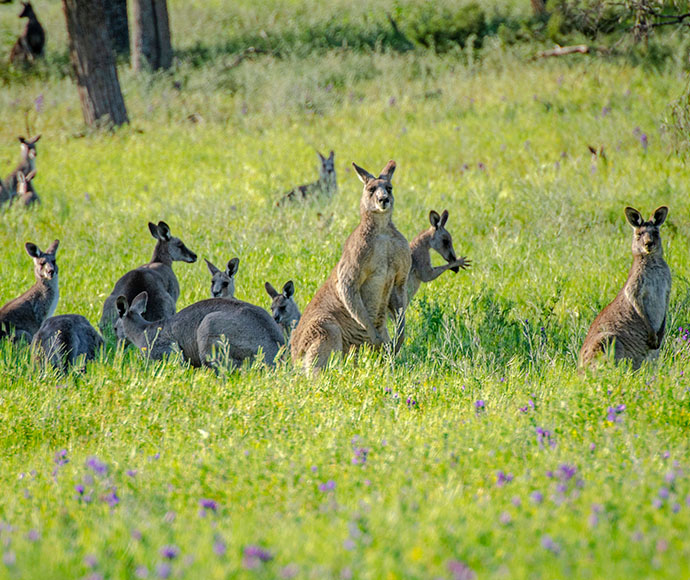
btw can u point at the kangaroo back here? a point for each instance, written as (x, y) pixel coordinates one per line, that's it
(62, 340)
(326, 186)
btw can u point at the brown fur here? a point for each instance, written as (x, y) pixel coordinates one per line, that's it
(350, 309)
(26, 166)
(634, 324)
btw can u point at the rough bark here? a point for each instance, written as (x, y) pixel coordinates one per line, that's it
(118, 25)
(151, 45)
(93, 61)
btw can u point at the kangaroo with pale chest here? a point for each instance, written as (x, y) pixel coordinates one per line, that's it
(634, 324)
(157, 278)
(25, 168)
(370, 279)
(22, 317)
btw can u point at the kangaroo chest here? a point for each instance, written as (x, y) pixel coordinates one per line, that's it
(385, 264)
(651, 292)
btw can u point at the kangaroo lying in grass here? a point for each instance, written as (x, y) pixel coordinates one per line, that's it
(283, 307)
(326, 186)
(21, 318)
(635, 322)
(26, 166)
(157, 278)
(223, 283)
(197, 329)
(62, 340)
(369, 280)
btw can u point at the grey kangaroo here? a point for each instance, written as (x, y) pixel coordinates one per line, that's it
(27, 164)
(27, 196)
(223, 283)
(21, 318)
(634, 324)
(62, 340)
(283, 306)
(157, 278)
(326, 186)
(30, 44)
(198, 328)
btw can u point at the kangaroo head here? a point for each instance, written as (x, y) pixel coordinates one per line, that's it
(45, 266)
(129, 316)
(174, 247)
(377, 195)
(223, 283)
(327, 167)
(23, 181)
(646, 239)
(28, 146)
(27, 10)
(441, 240)
(283, 306)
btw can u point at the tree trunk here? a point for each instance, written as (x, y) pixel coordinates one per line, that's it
(118, 26)
(152, 48)
(93, 62)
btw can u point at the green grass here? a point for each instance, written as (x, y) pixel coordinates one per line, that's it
(543, 223)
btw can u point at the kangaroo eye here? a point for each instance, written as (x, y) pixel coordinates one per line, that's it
(225, 284)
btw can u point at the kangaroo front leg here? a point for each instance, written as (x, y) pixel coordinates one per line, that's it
(349, 293)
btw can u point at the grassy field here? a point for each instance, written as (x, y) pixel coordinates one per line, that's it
(479, 450)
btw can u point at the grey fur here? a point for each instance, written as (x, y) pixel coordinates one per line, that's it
(62, 340)
(326, 186)
(223, 283)
(283, 306)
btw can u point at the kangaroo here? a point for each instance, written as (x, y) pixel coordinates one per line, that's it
(21, 318)
(26, 165)
(635, 322)
(369, 280)
(223, 283)
(437, 237)
(198, 328)
(283, 306)
(326, 186)
(26, 194)
(157, 278)
(30, 44)
(61, 340)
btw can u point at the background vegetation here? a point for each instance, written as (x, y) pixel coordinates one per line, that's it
(480, 449)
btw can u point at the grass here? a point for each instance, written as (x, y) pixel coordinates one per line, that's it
(387, 468)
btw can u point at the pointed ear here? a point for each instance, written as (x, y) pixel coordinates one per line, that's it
(21, 139)
(321, 157)
(20, 177)
(164, 231)
(121, 305)
(444, 217)
(434, 218)
(53, 247)
(154, 230)
(364, 176)
(331, 154)
(272, 292)
(660, 215)
(388, 170)
(35, 139)
(31, 175)
(32, 250)
(211, 267)
(634, 217)
(139, 303)
(232, 267)
(289, 289)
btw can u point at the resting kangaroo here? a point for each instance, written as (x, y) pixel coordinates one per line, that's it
(326, 186)
(25, 193)
(21, 318)
(61, 340)
(157, 278)
(195, 330)
(635, 322)
(30, 44)
(369, 280)
(283, 306)
(26, 166)
(223, 283)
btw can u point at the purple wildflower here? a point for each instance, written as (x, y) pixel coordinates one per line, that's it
(614, 412)
(517, 502)
(79, 488)
(548, 544)
(411, 402)
(505, 518)
(479, 406)
(675, 508)
(219, 547)
(290, 571)
(132, 473)
(544, 437)
(97, 466)
(503, 478)
(33, 535)
(328, 486)
(460, 571)
(644, 141)
(170, 552)
(664, 493)
(141, 572)
(208, 504)
(111, 498)
(566, 472)
(254, 556)
(38, 103)
(9, 558)
(90, 561)
(537, 497)
(61, 457)
(163, 570)
(657, 503)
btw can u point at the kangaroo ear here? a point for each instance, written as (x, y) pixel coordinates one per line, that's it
(21, 139)
(164, 231)
(35, 139)
(139, 303)
(331, 154)
(32, 250)
(154, 230)
(660, 215)
(388, 170)
(434, 218)
(21, 178)
(272, 292)
(321, 157)
(364, 176)
(211, 267)
(289, 289)
(31, 175)
(121, 305)
(232, 267)
(634, 217)
(444, 217)
(53, 247)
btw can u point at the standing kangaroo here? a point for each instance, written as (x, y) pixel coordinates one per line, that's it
(635, 322)
(27, 165)
(223, 283)
(326, 186)
(283, 306)
(61, 340)
(200, 327)
(157, 278)
(369, 280)
(21, 318)
(30, 44)
(27, 196)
